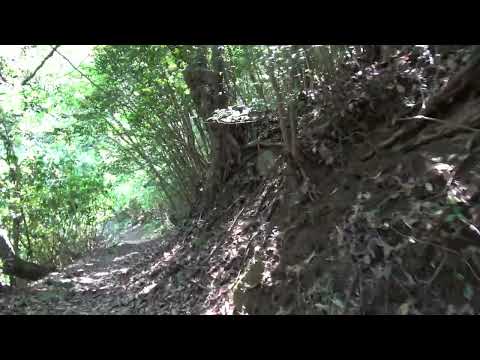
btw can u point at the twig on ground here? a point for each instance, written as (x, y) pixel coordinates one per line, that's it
(247, 249)
(437, 271)
(445, 122)
(217, 246)
(235, 220)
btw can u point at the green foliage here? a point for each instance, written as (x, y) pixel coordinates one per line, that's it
(141, 104)
(53, 194)
(120, 136)
(60, 200)
(134, 193)
(65, 199)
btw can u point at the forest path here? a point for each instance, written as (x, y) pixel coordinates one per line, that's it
(136, 234)
(114, 280)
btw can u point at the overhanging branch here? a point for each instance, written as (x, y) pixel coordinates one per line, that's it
(30, 77)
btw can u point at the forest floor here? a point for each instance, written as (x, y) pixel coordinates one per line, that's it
(380, 217)
(104, 282)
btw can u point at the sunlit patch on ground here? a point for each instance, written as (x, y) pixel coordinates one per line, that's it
(125, 257)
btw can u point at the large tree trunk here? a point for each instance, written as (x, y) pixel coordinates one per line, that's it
(207, 89)
(14, 266)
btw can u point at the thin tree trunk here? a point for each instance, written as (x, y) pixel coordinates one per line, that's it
(280, 107)
(251, 73)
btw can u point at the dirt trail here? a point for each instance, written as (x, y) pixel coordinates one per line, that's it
(108, 281)
(139, 275)
(134, 235)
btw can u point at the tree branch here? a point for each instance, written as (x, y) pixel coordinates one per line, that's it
(29, 77)
(76, 68)
(3, 79)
